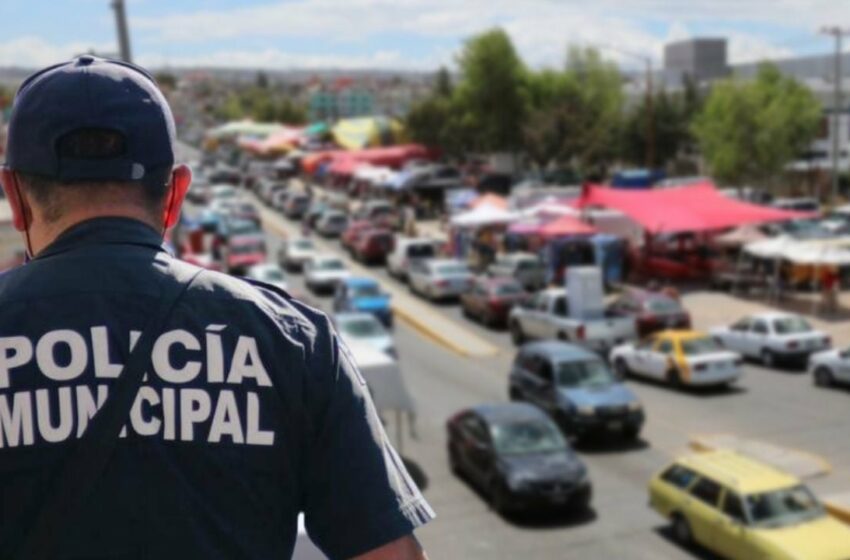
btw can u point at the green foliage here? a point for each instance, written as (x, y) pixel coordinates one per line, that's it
(261, 104)
(749, 131)
(443, 84)
(166, 80)
(491, 95)
(671, 128)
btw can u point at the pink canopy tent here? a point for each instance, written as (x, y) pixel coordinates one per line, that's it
(490, 199)
(344, 163)
(564, 226)
(694, 208)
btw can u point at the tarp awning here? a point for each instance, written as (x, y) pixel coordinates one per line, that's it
(694, 208)
(490, 199)
(565, 226)
(362, 132)
(483, 216)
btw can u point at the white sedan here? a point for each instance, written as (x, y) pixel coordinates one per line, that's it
(679, 358)
(439, 278)
(364, 328)
(268, 273)
(323, 272)
(830, 367)
(772, 338)
(293, 253)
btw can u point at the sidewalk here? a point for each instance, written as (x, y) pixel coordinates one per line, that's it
(418, 314)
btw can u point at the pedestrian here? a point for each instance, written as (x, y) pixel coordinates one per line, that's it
(223, 408)
(829, 287)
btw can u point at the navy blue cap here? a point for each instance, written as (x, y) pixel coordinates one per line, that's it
(91, 93)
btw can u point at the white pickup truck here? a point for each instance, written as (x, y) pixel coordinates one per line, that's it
(547, 316)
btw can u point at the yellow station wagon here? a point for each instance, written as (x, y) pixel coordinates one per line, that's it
(743, 509)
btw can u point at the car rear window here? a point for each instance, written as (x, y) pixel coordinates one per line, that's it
(508, 289)
(663, 306)
(420, 251)
(700, 346)
(707, 491)
(452, 269)
(791, 325)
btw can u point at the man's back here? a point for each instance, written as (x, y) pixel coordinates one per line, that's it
(242, 421)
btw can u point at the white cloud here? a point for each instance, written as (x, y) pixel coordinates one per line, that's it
(35, 52)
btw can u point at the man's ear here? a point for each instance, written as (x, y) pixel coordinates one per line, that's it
(181, 179)
(21, 212)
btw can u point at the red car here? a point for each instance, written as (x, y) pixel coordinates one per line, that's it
(491, 299)
(653, 311)
(240, 254)
(373, 245)
(354, 229)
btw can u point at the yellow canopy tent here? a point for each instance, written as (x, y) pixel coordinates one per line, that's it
(367, 132)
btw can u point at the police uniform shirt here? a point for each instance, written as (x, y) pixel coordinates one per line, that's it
(250, 413)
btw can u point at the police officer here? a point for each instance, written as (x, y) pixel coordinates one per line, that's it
(246, 410)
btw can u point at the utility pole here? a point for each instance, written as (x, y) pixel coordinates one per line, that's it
(837, 107)
(650, 118)
(123, 32)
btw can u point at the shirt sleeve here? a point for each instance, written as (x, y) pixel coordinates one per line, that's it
(358, 495)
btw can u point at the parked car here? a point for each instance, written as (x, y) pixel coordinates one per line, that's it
(323, 272)
(517, 455)
(524, 267)
(652, 311)
(773, 338)
(331, 223)
(314, 212)
(269, 273)
(293, 253)
(372, 246)
(831, 367)
(407, 251)
(490, 299)
(359, 327)
(546, 316)
(681, 358)
(296, 205)
(241, 253)
(224, 192)
(576, 388)
(352, 231)
(364, 295)
(743, 509)
(230, 227)
(438, 279)
(278, 200)
(245, 211)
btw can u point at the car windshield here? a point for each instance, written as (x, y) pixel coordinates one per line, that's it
(304, 244)
(366, 290)
(526, 437)
(791, 325)
(699, 346)
(242, 227)
(446, 269)
(367, 327)
(509, 289)
(588, 373)
(330, 265)
(420, 251)
(663, 306)
(225, 193)
(783, 507)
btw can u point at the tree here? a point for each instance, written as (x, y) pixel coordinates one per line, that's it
(166, 80)
(749, 131)
(671, 123)
(490, 96)
(262, 80)
(443, 83)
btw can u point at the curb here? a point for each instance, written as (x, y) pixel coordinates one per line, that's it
(699, 444)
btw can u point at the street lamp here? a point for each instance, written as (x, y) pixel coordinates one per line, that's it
(839, 33)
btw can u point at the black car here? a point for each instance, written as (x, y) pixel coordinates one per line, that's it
(517, 455)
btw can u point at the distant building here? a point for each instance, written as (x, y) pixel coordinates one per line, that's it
(699, 59)
(342, 99)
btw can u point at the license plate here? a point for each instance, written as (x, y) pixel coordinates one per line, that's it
(615, 426)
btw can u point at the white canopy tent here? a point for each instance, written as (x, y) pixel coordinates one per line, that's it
(484, 215)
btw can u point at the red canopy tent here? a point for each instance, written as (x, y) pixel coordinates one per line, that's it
(694, 208)
(564, 226)
(345, 162)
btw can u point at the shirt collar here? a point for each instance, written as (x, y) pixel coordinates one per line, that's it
(104, 231)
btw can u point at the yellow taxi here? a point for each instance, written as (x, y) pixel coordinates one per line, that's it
(743, 509)
(680, 357)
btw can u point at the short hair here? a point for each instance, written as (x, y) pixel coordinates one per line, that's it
(53, 195)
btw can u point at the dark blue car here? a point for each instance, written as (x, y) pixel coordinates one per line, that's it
(363, 295)
(576, 388)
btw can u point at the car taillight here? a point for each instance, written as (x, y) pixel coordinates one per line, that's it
(580, 332)
(792, 345)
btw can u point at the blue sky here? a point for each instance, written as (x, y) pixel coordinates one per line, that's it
(403, 34)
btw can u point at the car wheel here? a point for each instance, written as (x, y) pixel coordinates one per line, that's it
(514, 394)
(768, 359)
(682, 530)
(498, 497)
(489, 319)
(454, 462)
(621, 368)
(517, 335)
(824, 377)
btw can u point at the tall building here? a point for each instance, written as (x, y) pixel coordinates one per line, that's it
(700, 59)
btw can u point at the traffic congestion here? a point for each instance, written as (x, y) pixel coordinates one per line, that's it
(581, 368)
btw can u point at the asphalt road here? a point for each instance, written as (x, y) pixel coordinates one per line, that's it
(782, 407)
